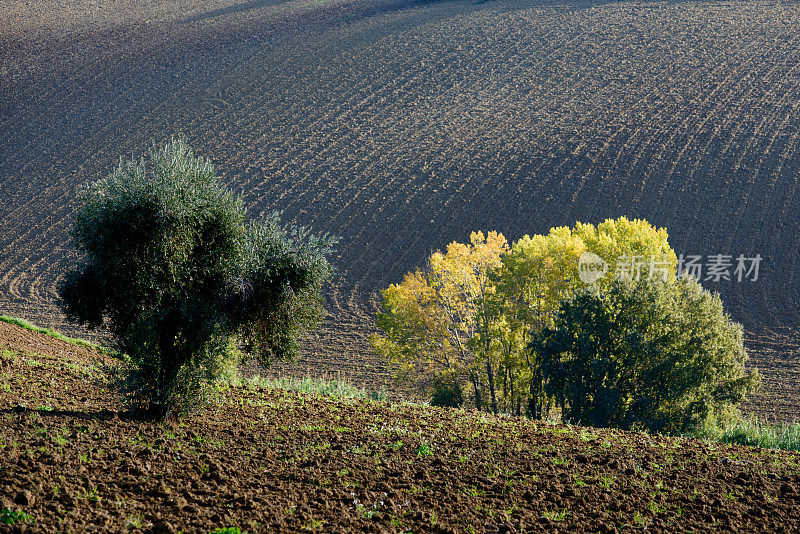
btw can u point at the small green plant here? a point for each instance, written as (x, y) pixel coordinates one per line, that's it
(556, 515)
(607, 480)
(92, 496)
(13, 517)
(366, 513)
(398, 522)
(227, 530)
(658, 509)
(731, 495)
(424, 449)
(639, 519)
(379, 395)
(446, 390)
(472, 491)
(313, 524)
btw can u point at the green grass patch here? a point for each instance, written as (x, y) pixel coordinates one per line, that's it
(54, 333)
(319, 386)
(750, 431)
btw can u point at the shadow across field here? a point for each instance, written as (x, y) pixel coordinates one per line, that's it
(88, 415)
(366, 10)
(392, 6)
(230, 10)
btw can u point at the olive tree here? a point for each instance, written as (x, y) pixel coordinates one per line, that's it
(183, 280)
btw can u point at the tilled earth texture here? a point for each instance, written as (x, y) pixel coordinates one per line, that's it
(274, 461)
(403, 125)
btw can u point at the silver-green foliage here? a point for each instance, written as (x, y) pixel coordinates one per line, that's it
(181, 277)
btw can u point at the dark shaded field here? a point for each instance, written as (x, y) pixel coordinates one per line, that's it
(402, 126)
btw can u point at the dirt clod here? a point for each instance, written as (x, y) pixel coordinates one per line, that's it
(25, 498)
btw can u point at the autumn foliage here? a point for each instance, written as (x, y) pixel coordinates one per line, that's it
(474, 311)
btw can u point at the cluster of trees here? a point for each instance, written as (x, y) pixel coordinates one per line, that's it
(516, 326)
(184, 281)
(187, 284)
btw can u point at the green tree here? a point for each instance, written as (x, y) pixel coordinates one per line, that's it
(659, 355)
(446, 390)
(182, 279)
(541, 271)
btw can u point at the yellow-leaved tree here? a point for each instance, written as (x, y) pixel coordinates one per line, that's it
(541, 271)
(474, 309)
(535, 275)
(431, 319)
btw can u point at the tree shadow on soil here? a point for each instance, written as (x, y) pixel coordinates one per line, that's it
(104, 415)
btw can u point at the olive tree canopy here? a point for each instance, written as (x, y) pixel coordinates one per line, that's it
(181, 278)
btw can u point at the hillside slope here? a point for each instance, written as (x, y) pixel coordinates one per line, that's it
(404, 125)
(274, 461)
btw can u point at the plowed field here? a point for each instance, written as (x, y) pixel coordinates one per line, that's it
(404, 125)
(272, 461)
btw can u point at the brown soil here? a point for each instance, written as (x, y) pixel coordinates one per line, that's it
(402, 125)
(270, 460)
